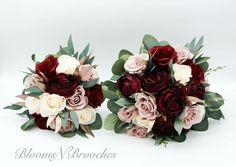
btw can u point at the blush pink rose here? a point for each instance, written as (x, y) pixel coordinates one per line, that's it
(193, 115)
(183, 54)
(137, 132)
(78, 100)
(146, 105)
(34, 80)
(69, 126)
(87, 72)
(127, 114)
(136, 64)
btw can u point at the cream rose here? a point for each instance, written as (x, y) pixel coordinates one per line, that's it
(86, 116)
(146, 105)
(182, 73)
(143, 122)
(136, 64)
(137, 132)
(51, 104)
(127, 114)
(87, 72)
(32, 104)
(193, 115)
(34, 80)
(67, 64)
(183, 54)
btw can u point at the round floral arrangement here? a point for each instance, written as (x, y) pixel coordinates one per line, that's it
(161, 92)
(62, 93)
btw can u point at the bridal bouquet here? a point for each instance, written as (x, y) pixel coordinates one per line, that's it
(161, 92)
(62, 93)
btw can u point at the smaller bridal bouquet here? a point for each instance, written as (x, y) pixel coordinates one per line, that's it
(162, 92)
(62, 93)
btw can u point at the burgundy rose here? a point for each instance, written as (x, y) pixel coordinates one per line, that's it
(195, 89)
(95, 95)
(171, 100)
(161, 55)
(197, 71)
(155, 81)
(62, 84)
(129, 84)
(40, 121)
(47, 67)
(164, 126)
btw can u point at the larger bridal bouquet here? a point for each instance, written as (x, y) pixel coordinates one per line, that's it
(62, 93)
(161, 92)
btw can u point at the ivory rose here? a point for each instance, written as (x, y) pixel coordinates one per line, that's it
(143, 122)
(136, 64)
(137, 132)
(183, 54)
(127, 114)
(86, 116)
(32, 104)
(182, 73)
(51, 104)
(67, 64)
(146, 105)
(193, 115)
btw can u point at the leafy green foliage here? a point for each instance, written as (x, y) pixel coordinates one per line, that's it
(27, 125)
(64, 117)
(195, 47)
(202, 126)
(97, 124)
(214, 114)
(13, 107)
(110, 121)
(213, 100)
(124, 102)
(109, 94)
(149, 41)
(118, 66)
(75, 119)
(113, 107)
(120, 126)
(68, 134)
(33, 91)
(88, 84)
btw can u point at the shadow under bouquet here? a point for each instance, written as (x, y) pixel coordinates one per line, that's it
(62, 93)
(161, 92)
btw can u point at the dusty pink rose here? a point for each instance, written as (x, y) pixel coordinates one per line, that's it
(193, 115)
(146, 105)
(78, 100)
(137, 132)
(127, 114)
(136, 64)
(183, 54)
(34, 80)
(69, 126)
(87, 72)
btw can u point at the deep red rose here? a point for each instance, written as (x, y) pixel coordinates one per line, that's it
(195, 89)
(40, 121)
(129, 84)
(62, 84)
(161, 55)
(95, 95)
(155, 81)
(47, 67)
(197, 71)
(164, 127)
(171, 101)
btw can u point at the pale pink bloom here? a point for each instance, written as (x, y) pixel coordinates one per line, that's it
(136, 64)
(183, 54)
(137, 132)
(127, 114)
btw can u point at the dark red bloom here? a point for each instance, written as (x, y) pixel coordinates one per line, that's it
(197, 71)
(164, 127)
(155, 81)
(47, 67)
(95, 95)
(62, 84)
(129, 84)
(171, 101)
(161, 55)
(40, 121)
(195, 89)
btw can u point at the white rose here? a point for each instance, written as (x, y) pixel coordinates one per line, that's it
(67, 64)
(136, 64)
(193, 115)
(51, 104)
(183, 54)
(86, 116)
(143, 122)
(32, 104)
(182, 73)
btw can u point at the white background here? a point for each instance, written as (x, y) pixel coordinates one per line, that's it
(30, 26)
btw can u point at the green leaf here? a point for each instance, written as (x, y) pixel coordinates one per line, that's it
(202, 126)
(88, 84)
(191, 45)
(33, 91)
(149, 41)
(120, 126)
(33, 57)
(25, 113)
(215, 114)
(81, 133)
(109, 94)
(31, 70)
(163, 43)
(115, 77)
(89, 60)
(64, 51)
(179, 138)
(201, 60)
(118, 66)
(204, 66)
(76, 55)
(68, 134)
(113, 107)
(159, 140)
(171, 71)
(84, 52)
(178, 125)
(213, 100)
(13, 107)
(124, 102)
(97, 124)
(110, 85)
(64, 118)
(27, 125)
(110, 121)
(199, 44)
(70, 45)
(75, 119)
(124, 52)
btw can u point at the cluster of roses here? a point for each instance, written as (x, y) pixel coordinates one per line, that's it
(61, 94)
(162, 91)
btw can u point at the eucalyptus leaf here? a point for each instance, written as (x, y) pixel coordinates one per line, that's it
(109, 94)
(64, 119)
(88, 84)
(70, 45)
(178, 125)
(68, 134)
(33, 57)
(110, 85)
(215, 114)
(202, 126)
(97, 124)
(75, 119)
(81, 133)
(124, 52)
(27, 125)
(124, 102)
(13, 107)
(84, 52)
(149, 41)
(120, 126)
(115, 77)
(213, 100)
(110, 121)
(113, 107)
